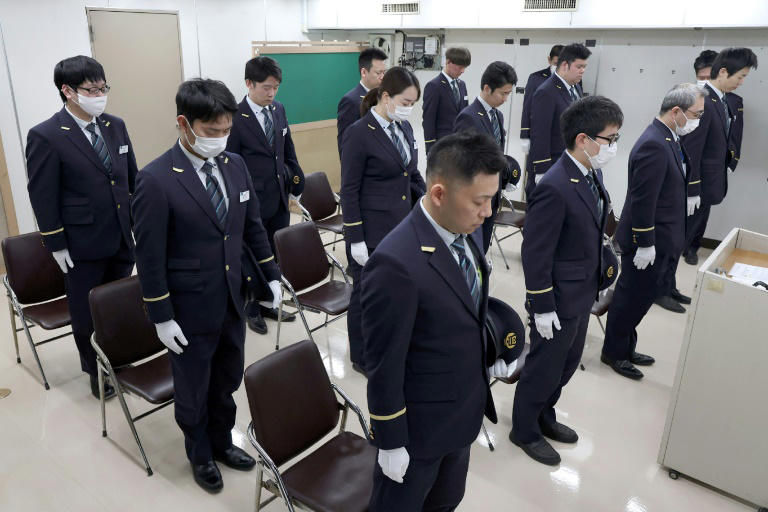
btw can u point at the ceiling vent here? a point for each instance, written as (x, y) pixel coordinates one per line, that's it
(400, 8)
(550, 5)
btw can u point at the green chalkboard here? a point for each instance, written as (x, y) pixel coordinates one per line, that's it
(313, 83)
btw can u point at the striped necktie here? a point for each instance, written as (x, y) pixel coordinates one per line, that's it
(727, 114)
(398, 143)
(455, 88)
(100, 147)
(574, 96)
(470, 274)
(495, 126)
(591, 179)
(269, 128)
(214, 192)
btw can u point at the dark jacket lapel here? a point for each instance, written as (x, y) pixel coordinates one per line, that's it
(718, 104)
(244, 110)
(582, 188)
(383, 138)
(665, 133)
(79, 140)
(189, 179)
(483, 114)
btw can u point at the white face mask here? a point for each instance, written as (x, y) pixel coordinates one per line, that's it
(553, 68)
(207, 147)
(401, 113)
(605, 155)
(92, 105)
(690, 125)
(701, 83)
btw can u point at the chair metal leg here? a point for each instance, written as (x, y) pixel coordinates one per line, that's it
(333, 247)
(259, 483)
(601, 325)
(303, 318)
(279, 320)
(102, 402)
(488, 438)
(13, 328)
(129, 419)
(498, 244)
(33, 347)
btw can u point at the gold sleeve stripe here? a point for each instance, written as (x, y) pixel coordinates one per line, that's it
(46, 233)
(266, 259)
(387, 418)
(540, 161)
(433, 140)
(643, 230)
(695, 182)
(350, 224)
(537, 292)
(155, 299)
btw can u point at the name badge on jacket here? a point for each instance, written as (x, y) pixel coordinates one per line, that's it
(123, 149)
(245, 195)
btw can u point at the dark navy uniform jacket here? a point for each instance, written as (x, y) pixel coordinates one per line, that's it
(549, 102)
(377, 189)
(736, 106)
(562, 242)
(188, 263)
(424, 342)
(80, 206)
(655, 208)
(535, 79)
(348, 111)
(274, 169)
(711, 150)
(440, 108)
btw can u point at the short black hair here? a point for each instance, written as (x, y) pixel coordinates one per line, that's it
(498, 74)
(76, 70)
(733, 60)
(572, 52)
(367, 56)
(555, 51)
(258, 69)
(704, 60)
(589, 115)
(464, 155)
(459, 56)
(204, 99)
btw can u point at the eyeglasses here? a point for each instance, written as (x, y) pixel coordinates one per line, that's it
(697, 115)
(95, 90)
(611, 140)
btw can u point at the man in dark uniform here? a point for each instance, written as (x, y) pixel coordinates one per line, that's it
(425, 350)
(535, 79)
(549, 102)
(483, 116)
(651, 232)
(563, 265)
(82, 169)
(711, 147)
(445, 96)
(372, 64)
(260, 134)
(195, 206)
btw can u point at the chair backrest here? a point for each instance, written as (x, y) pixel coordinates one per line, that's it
(317, 196)
(291, 400)
(120, 325)
(301, 255)
(33, 274)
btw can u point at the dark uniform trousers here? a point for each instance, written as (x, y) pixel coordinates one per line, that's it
(548, 368)
(697, 224)
(355, 310)
(435, 485)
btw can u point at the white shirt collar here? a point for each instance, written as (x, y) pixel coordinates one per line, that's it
(674, 134)
(719, 93)
(450, 79)
(196, 161)
(383, 122)
(567, 85)
(445, 235)
(581, 167)
(485, 105)
(364, 87)
(82, 124)
(256, 108)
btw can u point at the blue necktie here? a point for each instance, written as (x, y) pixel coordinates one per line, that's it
(456, 95)
(470, 275)
(214, 192)
(495, 126)
(398, 143)
(574, 96)
(269, 129)
(100, 147)
(591, 179)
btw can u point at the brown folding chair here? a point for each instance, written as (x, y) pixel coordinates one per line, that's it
(124, 340)
(36, 291)
(293, 406)
(507, 218)
(304, 265)
(318, 203)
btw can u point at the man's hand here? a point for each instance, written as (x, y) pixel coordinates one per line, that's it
(394, 463)
(526, 145)
(501, 370)
(170, 334)
(693, 203)
(537, 178)
(644, 256)
(544, 323)
(63, 260)
(359, 253)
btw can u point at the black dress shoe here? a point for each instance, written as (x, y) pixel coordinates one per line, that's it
(272, 314)
(641, 359)
(559, 432)
(359, 369)
(669, 304)
(692, 258)
(540, 451)
(236, 458)
(109, 391)
(257, 324)
(679, 297)
(208, 476)
(623, 367)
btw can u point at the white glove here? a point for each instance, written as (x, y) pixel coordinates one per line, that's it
(295, 198)
(544, 323)
(63, 259)
(526, 145)
(169, 333)
(644, 256)
(359, 252)
(507, 192)
(501, 370)
(693, 203)
(537, 178)
(277, 295)
(394, 463)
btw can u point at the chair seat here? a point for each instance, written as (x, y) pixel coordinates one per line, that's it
(601, 307)
(520, 364)
(510, 218)
(152, 381)
(332, 297)
(334, 224)
(337, 477)
(49, 315)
